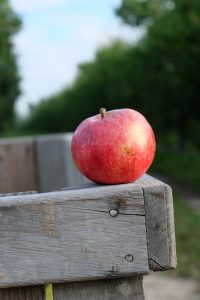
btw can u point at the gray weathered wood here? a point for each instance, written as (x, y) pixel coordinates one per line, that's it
(159, 224)
(17, 165)
(55, 167)
(70, 235)
(18, 193)
(112, 289)
(23, 293)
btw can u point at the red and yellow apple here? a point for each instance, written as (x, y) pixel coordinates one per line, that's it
(114, 147)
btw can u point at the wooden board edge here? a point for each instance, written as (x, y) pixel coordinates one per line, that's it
(156, 262)
(171, 226)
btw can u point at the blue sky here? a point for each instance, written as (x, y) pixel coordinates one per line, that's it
(56, 36)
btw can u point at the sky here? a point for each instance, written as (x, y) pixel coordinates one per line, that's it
(56, 36)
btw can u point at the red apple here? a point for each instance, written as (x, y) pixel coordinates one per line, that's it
(113, 147)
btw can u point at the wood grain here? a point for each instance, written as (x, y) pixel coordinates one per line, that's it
(112, 289)
(23, 293)
(159, 224)
(70, 235)
(17, 165)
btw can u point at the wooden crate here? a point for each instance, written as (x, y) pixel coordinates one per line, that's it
(90, 242)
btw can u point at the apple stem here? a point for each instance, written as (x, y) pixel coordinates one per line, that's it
(103, 112)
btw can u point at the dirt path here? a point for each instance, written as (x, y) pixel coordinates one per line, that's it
(161, 287)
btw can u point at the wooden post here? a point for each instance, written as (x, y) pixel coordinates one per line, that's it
(90, 243)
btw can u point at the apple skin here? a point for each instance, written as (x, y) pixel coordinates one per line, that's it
(117, 147)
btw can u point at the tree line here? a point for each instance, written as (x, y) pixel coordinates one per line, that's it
(159, 76)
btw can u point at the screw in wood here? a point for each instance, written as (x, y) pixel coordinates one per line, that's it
(129, 258)
(113, 212)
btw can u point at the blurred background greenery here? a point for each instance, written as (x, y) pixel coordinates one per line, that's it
(158, 76)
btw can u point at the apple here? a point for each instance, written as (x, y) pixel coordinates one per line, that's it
(114, 147)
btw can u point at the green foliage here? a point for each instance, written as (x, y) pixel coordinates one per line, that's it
(179, 167)
(171, 54)
(47, 116)
(9, 78)
(137, 12)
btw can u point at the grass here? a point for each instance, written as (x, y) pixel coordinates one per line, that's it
(187, 225)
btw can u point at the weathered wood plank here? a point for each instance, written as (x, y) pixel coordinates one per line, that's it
(17, 165)
(159, 223)
(70, 235)
(112, 289)
(55, 166)
(23, 293)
